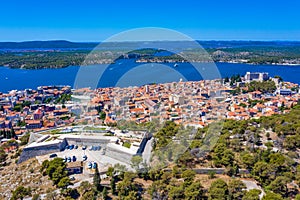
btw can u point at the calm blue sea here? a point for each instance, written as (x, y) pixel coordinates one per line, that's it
(21, 79)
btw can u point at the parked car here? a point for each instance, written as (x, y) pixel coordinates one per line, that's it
(89, 165)
(95, 148)
(84, 157)
(84, 147)
(72, 178)
(67, 147)
(76, 147)
(91, 148)
(74, 158)
(103, 151)
(94, 165)
(53, 155)
(69, 159)
(71, 147)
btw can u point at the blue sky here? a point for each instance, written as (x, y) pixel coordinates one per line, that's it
(96, 20)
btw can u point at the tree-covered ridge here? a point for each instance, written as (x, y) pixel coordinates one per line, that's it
(57, 54)
(266, 147)
(38, 60)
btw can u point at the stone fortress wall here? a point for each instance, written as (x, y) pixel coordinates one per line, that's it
(41, 147)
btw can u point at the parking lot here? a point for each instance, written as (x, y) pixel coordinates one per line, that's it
(92, 156)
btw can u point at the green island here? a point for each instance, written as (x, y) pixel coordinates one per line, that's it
(58, 54)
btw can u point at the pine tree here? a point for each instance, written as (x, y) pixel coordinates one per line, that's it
(104, 193)
(97, 179)
(4, 134)
(8, 134)
(113, 185)
(13, 133)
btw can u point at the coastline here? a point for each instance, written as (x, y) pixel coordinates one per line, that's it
(16, 78)
(271, 64)
(170, 62)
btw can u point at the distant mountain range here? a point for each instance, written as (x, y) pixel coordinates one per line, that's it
(206, 44)
(46, 44)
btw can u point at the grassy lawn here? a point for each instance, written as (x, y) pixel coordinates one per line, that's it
(89, 128)
(127, 145)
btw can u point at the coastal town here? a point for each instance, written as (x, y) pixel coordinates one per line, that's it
(140, 100)
(84, 127)
(195, 103)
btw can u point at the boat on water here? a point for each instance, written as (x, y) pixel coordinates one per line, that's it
(176, 65)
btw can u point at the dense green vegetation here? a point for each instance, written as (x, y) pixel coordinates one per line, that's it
(56, 170)
(264, 86)
(165, 134)
(63, 98)
(127, 145)
(24, 139)
(38, 60)
(19, 107)
(273, 169)
(20, 192)
(261, 54)
(8, 134)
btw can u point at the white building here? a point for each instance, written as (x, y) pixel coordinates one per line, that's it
(256, 76)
